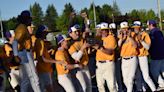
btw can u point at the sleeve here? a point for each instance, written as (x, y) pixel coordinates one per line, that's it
(15, 47)
(72, 49)
(76, 55)
(158, 35)
(60, 56)
(146, 41)
(7, 50)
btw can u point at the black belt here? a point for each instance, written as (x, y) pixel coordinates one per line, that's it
(128, 58)
(24, 49)
(105, 61)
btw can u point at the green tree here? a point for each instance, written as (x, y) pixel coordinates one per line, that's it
(116, 10)
(63, 20)
(142, 15)
(162, 14)
(37, 12)
(133, 15)
(151, 14)
(11, 23)
(91, 14)
(51, 17)
(106, 13)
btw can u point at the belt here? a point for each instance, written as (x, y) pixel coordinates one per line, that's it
(105, 61)
(24, 49)
(128, 58)
(14, 68)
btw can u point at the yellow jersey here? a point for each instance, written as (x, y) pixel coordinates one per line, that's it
(127, 49)
(75, 47)
(108, 42)
(144, 37)
(62, 55)
(41, 50)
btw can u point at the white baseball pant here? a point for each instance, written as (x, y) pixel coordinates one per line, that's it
(129, 67)
(106, 71)
(66, 83)
(143, 63)
(14, 74)
(83, 76)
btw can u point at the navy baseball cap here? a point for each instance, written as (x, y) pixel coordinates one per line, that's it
(42, 28)
(26, 13)
(8, 34)
(60, 38)
(153, 22)
(74, 28)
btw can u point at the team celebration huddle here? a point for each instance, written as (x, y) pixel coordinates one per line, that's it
(111, 58)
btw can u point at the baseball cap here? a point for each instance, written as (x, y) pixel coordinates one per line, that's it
(151, 22)
(104, 25)
(112, 26)
(9, 33)
(60, 38)
(74, 28)
(41, 31)
(124, 25)
(136, 24)
(42, 28)
(26, 13)
(98, 26)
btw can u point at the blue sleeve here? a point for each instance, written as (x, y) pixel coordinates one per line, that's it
(15, 47)
(158, 36)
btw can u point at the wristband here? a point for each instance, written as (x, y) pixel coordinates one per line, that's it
(76, 65)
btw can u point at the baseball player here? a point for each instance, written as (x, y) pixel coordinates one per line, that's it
(79, 53)
(22, 49)
(44, 65)
(144, 43)
(105, 56)
(64, 77)
(14, 69)
(128, 47)
(113, 30)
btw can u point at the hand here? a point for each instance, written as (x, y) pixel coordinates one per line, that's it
(128, 33)
(124, 37)
(81, 66)
(16, 61)
(70, 67)
(139, 37)
(78, 66)
(59, 62)
(110, 51)
(96, 46)
(85, 45)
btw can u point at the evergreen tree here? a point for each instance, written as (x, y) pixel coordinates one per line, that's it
(37, 12)
(64, 20)
(51, 17)
(116, 10)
